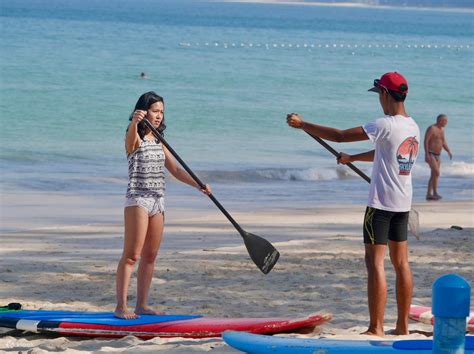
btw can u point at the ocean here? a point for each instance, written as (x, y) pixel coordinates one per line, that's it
(229, 73)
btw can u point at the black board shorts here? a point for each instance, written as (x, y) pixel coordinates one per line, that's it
(382, 225)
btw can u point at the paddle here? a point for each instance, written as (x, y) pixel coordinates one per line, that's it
(262, 252)
(413, 216)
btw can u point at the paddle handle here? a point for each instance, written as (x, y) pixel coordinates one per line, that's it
(160, 137)
(335, 153)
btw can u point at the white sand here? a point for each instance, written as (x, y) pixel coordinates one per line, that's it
(65, 258)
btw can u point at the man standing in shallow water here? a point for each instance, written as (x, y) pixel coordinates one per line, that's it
(435, 141)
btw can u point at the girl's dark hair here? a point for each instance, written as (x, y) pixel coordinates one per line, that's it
(144, 103)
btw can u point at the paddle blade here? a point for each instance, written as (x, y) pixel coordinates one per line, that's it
(262, 252)
(414, 223)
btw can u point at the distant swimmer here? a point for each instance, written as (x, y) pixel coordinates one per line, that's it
(435, 142)
(143, 76)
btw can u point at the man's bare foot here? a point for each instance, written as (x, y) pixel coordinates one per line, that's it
(397, 332)
(125, 314)
(437, 196)
(147, 311)
(432, 197)
(373, 333)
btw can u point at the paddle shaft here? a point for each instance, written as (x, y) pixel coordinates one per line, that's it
(335, 153)
(159, 136)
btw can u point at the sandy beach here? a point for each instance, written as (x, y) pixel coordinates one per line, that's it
(58, 252)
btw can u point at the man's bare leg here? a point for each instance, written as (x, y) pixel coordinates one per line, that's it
(432, 193)
(437, 163)
(376, 288)
(404, 284)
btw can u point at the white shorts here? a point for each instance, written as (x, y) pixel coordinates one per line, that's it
(152, 205)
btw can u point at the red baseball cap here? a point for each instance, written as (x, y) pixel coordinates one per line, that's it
(392, 81)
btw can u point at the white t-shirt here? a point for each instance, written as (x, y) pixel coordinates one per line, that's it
(397, 141)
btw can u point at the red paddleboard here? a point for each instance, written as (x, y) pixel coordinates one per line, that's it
(104, 324)
(423, 314)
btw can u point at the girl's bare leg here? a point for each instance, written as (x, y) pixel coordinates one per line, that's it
(147, 263)
(136, 225)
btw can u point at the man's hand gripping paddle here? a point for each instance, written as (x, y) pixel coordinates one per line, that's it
(413, 216)
(262, 252)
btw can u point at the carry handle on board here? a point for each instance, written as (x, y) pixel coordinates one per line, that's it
(262, 252)
(413, 217)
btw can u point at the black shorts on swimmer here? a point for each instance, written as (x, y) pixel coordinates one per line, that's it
(381, 226)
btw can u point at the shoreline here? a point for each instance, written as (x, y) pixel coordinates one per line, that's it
(30, 211)
(348, 5)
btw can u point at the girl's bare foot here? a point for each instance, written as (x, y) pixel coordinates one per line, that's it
(125, 314)
(147, 311)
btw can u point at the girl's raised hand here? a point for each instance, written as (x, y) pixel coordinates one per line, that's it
(138, 116)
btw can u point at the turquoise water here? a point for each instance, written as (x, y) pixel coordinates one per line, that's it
(229, 73)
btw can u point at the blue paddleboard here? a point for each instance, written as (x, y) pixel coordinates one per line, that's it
(261, 344)
(105, 324)
(101, 318)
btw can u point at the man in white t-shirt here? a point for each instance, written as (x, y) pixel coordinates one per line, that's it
(396, 137)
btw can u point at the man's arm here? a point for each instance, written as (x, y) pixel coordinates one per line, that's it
(365, 156)
(426, 144)
(328, 133)
(446, 147)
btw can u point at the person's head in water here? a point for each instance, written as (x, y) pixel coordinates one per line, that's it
(442, 120)
(154, 105)
(143, 76)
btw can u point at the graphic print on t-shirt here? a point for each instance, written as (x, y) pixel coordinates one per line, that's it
(406, 155)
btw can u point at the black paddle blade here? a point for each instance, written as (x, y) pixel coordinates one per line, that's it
(262, 252)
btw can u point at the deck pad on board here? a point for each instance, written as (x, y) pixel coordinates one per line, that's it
(423, 314)
(104, 324)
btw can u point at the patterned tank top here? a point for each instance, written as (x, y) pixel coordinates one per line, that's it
(146, 170)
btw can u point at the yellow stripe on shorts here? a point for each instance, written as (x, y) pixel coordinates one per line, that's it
(369, 216)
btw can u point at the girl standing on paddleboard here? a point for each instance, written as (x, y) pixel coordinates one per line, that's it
(144, 205)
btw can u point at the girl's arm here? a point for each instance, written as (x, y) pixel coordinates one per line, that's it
(180, 174)
(365, 156)
(132, 139)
